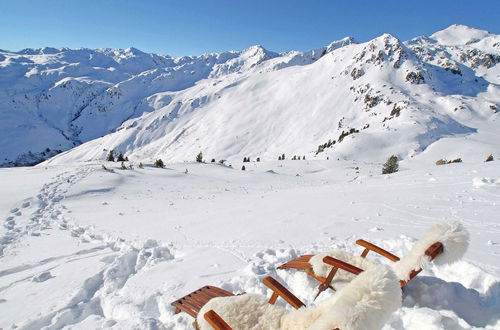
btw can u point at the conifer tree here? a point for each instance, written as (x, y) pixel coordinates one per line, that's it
(199, 157)
(159, 163)
(111, 156)
(391, 165)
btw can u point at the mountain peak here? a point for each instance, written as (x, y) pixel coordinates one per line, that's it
(134, 51)
(257, 52)
(340, 43)
(458, 34)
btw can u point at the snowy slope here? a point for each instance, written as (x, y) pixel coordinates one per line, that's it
(87, 248)
(73, 96)
(395, 97)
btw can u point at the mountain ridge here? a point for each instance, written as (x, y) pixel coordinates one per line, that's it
(464, 75)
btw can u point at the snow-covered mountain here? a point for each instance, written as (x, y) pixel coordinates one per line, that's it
(365, 100)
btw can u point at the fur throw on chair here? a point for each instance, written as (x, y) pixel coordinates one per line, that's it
(455, 240)
(365, 303)
(451, 234)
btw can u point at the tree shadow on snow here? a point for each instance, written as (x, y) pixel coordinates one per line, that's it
(475, 308)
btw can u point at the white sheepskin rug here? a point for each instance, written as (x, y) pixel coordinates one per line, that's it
(366, 303)
(455, 240)
(247, 311)
(451, 234)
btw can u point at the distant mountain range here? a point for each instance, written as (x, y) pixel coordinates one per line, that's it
(345, 100)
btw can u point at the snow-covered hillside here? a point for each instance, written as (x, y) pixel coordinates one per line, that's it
(87, 248)
(399, 96)
(54, 99)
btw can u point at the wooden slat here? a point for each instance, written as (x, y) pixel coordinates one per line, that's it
(193, 302)
(201, 297)
(283, 292)
(300, 263)
(342, 265)
(185, 306)
(216, 321)
(220, 292)
(376, 249)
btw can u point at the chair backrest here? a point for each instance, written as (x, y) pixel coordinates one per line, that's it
(432, 252)
(365, 303)
(454, 240)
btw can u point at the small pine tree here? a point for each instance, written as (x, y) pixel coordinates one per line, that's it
(243, 168)
(199, 157)
(111, 156)
(258, 159)
(222, 161)
(391, 165)
(244, 159)
(120, 158)
(126, 159)
(303, 157)
(279, 157)
(141, 165)
(293, 158)
(159, 163)
(283, 157)
(489, 159)
(213, 160)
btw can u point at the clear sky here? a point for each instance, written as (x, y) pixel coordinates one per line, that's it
(189, 27)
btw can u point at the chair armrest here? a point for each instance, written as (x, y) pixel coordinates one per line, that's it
(342, 265)
(280, 290)
(372, 247)
(216, 321)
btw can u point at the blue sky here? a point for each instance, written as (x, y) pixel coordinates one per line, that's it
(184, 27)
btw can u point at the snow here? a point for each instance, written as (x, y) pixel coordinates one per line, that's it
(87, 244)
(113, 249)
(458, 34)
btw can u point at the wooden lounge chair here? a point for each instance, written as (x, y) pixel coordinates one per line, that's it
(365, 303)
(302, 262)
(193, 302)
(444, 243)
